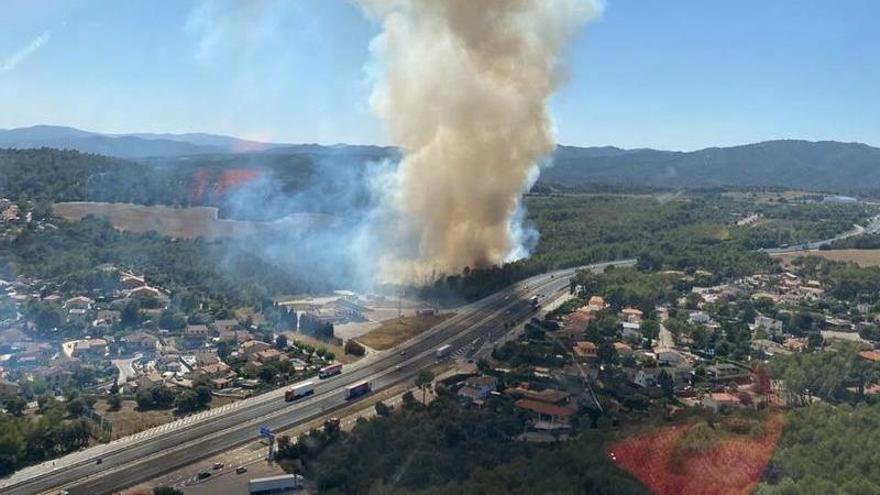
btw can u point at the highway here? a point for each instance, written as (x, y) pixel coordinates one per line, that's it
(873, 227)
(148, 454)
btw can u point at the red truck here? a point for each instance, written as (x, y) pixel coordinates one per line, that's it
(330, 370)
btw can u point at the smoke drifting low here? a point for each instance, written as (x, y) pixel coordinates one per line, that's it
(462, 86)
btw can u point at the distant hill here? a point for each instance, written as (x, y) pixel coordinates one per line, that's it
(819, 166)
(140, 145)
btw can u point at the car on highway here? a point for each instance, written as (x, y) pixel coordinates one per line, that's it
(403, 352)
(204, 475)
(99, 461)
(218, 465)
(240, 470)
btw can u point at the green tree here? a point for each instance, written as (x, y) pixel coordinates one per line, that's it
(423, 382)
(15, 405)
(667, 384)
(114, 402)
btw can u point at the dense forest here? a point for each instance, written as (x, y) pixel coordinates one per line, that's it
(446, 448)
(243, 187)
(826, 449)
(70, 255)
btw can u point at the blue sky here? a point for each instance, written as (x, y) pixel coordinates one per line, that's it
(681, 74)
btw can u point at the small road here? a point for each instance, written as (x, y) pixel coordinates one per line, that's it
(873, 227)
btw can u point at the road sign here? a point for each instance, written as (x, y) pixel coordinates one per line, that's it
(265, 431)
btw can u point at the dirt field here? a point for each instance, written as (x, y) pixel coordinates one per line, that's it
(396, 330)
(127, 421)
(732, 466)
(192, 222)
(862, 257)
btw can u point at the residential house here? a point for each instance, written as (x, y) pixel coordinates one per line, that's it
(585, 350)
(84, 349)
(726, 372)
(106, 317)
(596, 303)
(146, 292)
(872, 356)
(647, 377)
(197, 333)
(246, 349)
(206, 357)
(837, 325)
(622, 348)
(268, 356)
(631, 330)
(235, 336)
(79, 302)
(720, 401)
(771, 325)
(216, 370)
(129, 281)
(222, 383)
(8, 388)
(478, 387)
(546, 416)
(631, 315)
(669, 356)
(225, 325)
(699, 317)
(141, 341)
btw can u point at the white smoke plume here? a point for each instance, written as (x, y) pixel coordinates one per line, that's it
(462, 87)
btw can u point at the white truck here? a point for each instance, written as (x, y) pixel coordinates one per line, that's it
(298, 390)
(274, 484)
(444, 351)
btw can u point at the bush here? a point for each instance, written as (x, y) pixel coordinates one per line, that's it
(354, 348)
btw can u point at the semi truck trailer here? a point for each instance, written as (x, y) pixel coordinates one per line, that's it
(298, 390)
(357, 390)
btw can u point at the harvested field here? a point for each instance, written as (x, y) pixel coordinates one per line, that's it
(396, 330)
(187, 223)
(862, 257)
(669, 462)
(128, 421)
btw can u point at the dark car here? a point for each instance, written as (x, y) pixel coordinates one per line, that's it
(204, 475)
(240, 470)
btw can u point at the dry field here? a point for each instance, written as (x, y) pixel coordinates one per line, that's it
(128, 421)
(396, 330)
(187, 223)
(862, 257)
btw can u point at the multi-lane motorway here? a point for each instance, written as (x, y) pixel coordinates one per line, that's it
(146, 455)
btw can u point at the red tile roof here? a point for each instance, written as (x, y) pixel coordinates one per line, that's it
(870, 355)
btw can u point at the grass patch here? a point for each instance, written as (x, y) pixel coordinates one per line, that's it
(861, 257)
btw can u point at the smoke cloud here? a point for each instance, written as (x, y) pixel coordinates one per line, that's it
(462, 86)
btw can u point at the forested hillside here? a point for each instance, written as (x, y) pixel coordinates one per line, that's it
(820, 166)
